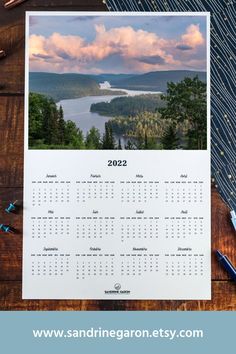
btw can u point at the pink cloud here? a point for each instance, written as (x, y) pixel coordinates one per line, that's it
(36, 45)
(193, 37)
(72, 53)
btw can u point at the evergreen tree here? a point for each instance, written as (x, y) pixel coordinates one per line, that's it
(119, 145)
(50, 122)
(53, 124)
(170, 140)
(130, 145)
(36, 104)
(48, 129)
(73, 136)
(61, 126)
(47, 116)
(93, 139)
(108, 142)
(78, 140)
(186, 102)
(152, 144)
(139, 142)
(145, 141)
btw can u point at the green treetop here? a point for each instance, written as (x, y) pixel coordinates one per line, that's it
(186, 101)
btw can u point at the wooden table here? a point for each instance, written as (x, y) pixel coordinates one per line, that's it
(11, 185)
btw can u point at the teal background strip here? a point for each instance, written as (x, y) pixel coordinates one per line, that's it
(16, 332)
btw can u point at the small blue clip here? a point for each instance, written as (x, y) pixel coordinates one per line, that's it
(5, 228)
(233, 218)
(11, 207)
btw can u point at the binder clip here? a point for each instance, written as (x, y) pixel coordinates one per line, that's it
(5, 228)
(11, 207)
(233, 218)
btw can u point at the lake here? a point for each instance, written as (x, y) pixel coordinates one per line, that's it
(78, 109)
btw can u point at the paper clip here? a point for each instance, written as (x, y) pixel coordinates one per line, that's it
(11, 207)
(5, 228)
(12, 3)
(233, 218)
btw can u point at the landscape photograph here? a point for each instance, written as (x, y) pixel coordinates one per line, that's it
(117, 82)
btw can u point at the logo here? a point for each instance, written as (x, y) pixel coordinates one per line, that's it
(117, 286)
(117, 290)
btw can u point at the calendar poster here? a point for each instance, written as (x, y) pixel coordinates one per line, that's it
(117, 156)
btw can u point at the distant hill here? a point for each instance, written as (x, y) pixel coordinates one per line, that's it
(157, 80)
(65, 86)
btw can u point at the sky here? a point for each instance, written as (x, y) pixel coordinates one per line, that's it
(116, 44)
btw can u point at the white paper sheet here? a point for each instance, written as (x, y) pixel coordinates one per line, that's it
(136, 231)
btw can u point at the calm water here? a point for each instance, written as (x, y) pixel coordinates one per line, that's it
(78, 110)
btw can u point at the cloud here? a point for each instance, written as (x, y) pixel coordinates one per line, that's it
(62, 54)
(36, 45)
(42, 56)
(193, 37)
(82, 18)
(73, 53)
(184, 47)
(155, 59)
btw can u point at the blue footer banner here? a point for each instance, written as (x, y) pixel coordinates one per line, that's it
(116, 332)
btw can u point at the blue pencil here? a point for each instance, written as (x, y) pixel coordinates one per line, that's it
(226, 264)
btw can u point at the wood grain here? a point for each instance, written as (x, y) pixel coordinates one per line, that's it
(18, 13)
(12, 65)
(223, 294)
(11, 244)
(11, 125)
(11, 141)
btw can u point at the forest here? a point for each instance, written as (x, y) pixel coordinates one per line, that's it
(129, 106)
(174, 120)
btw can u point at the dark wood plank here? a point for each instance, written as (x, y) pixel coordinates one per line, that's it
(17, 13)
(12, 65)
(11, 244)
(223, 299)
(11, 141)
(11, 173)
(59, 3)
(11, 125)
